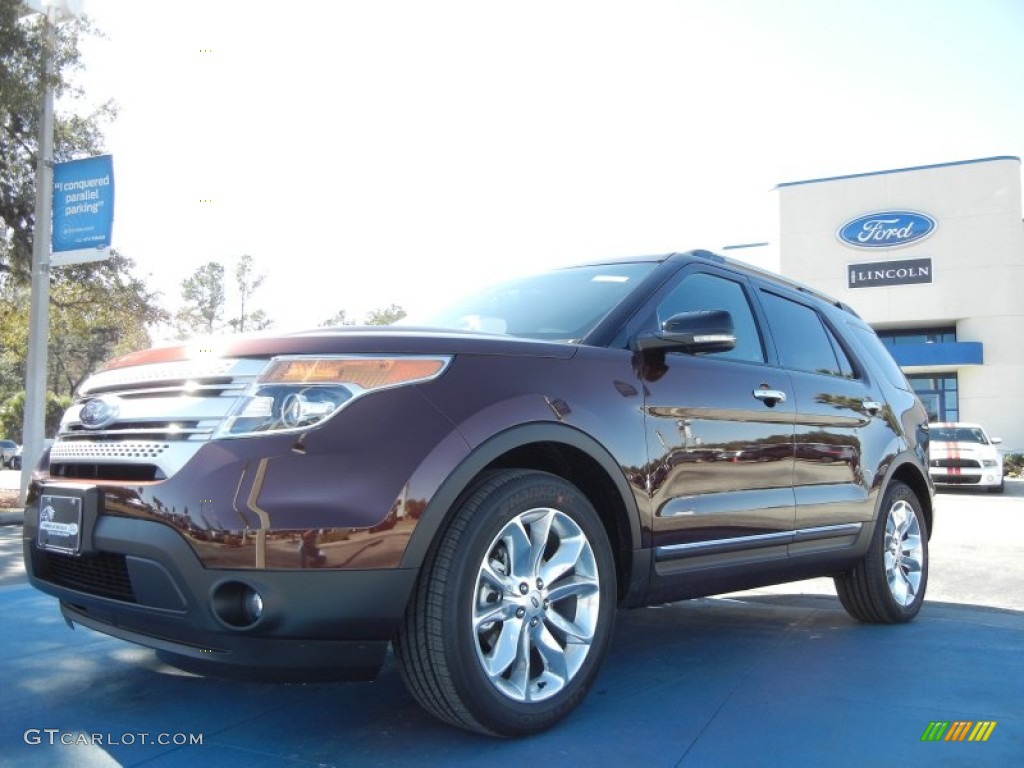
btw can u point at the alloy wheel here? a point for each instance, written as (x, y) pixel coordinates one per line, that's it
(904, 553)
(536, 605)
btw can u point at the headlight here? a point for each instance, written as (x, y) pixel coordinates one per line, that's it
(989, 462)
(298, 392)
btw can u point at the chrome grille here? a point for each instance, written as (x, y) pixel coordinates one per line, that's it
(149, 376)
(957, 463)
(165, 412)
(78, 450)
(957, 479)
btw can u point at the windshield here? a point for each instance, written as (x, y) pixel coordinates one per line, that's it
(957, 435)
(564, 304)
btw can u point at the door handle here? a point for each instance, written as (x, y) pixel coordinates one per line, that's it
(770, 396)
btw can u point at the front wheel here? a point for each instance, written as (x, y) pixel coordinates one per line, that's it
(514, 608)
(888, 585)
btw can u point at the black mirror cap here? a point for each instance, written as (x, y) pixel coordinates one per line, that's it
(708, 330)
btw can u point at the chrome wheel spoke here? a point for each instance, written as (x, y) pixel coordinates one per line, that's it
(573, 587)
(556, 670)
(911, 545)
(574, 633)
(489, 576)
(911, 581)
(506, 651)
(911, 565)
(520, 673)
(517, 544)
(540, 532)
(489, 613)
(565, 558)
(898, 586)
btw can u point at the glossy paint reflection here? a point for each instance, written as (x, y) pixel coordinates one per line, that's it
(721, 459)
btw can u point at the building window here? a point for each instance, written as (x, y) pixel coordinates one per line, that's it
(939, 393)
(918, 336)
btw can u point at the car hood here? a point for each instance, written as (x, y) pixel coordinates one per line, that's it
(354, 340)
(963, 450)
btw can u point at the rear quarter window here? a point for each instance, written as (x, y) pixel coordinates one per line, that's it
(875, 350)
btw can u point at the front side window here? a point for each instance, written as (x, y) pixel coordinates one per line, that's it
(703, 291)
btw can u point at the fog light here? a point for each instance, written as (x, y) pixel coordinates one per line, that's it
(252, 604)
(236, 604)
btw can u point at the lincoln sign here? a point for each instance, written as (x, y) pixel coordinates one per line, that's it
(905, 272)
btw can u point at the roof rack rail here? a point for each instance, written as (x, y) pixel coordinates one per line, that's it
(703, 254)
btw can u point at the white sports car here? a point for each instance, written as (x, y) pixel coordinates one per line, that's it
(964, 455)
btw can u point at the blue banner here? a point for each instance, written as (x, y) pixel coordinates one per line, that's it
(83, 203)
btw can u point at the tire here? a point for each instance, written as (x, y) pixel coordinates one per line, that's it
(888, 585)
(524, 567)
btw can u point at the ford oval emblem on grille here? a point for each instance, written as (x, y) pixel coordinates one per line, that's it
(886, 229)
(100, 412)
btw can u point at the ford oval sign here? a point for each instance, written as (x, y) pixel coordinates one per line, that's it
(100, 412)
(886, 229)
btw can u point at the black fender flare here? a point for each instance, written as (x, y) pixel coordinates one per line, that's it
(437, 511)
(908, 460)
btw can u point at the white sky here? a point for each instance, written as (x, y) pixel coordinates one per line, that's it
(397, 151)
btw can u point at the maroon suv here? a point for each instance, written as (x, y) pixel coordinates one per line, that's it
(483, 490)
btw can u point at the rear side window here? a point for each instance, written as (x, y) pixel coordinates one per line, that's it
(803, 341)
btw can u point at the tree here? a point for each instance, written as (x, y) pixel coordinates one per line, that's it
(12, 414)
(206, 298)
(21, 89)
(97, 311)
(385, 316)
(338, 318)
(204, 301)
(247, 283)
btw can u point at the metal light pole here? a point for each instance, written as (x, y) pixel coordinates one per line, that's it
(54, 11)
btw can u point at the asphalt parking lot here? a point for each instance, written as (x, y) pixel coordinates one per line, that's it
(779, 676)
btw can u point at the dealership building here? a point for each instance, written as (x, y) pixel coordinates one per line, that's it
(933, 258)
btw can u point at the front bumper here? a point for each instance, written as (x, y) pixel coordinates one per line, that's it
(971, 477)
(140, 581)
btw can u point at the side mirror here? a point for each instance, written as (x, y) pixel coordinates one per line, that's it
(709, 330)
(996, 440)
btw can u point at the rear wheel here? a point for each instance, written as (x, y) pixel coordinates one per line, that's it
(888, 585)
(513, 611)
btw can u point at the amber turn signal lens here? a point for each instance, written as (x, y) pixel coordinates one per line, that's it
(367, 373)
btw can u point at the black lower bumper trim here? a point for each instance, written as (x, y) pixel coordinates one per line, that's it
(259, 659)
